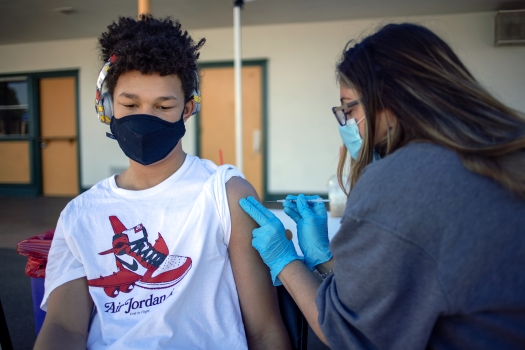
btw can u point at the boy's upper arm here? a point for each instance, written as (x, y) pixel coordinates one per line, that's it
(258, 298)
(67, 318)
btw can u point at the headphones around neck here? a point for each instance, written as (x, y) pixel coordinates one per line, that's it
(104, 103)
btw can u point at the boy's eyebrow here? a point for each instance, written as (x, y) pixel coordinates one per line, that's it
(159, 99)
(165, 98)
(130, 96)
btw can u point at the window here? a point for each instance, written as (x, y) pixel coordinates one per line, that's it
(14, 118)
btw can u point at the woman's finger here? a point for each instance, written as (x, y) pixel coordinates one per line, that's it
(268, 214)
(319, 208)
(293, 213)
(303, 206)
(254, 212)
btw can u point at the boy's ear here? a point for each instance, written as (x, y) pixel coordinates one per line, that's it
(188, 109)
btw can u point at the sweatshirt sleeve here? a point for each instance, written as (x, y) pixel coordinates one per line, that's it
(384, 293)
(63, 262)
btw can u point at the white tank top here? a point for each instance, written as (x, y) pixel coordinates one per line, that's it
(156, 261)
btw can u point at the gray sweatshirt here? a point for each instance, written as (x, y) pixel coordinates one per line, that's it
(429, 255)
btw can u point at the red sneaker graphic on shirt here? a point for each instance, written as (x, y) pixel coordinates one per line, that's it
(139, 263)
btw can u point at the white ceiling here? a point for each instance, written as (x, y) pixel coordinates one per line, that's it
(35, 20)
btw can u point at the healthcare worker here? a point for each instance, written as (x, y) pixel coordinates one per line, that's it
(431, 249)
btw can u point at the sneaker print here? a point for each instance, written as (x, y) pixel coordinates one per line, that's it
(139, 263)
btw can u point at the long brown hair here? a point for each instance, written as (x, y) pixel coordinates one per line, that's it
(409, 71)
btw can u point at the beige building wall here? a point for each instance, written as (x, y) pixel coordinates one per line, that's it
(302, 132)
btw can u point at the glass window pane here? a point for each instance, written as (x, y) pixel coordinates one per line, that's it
(14, 118)
(13, 122)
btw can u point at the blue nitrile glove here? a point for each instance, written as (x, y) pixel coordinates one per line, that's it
(312, 228)
(269, 239)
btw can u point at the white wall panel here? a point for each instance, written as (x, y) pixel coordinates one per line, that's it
(303, 137)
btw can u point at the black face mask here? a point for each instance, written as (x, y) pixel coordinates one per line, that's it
(145, 138)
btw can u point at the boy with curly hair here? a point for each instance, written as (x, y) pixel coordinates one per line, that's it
(160, 255)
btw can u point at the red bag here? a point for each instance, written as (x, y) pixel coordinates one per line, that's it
(36, 249)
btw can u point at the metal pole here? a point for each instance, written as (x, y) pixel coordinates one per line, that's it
(144, 7)
(238, 82)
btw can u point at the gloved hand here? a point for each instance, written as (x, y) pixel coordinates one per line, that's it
(269, 239)
(312, 228)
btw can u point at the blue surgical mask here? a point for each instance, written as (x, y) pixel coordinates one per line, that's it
(351, 137)
(353, 141)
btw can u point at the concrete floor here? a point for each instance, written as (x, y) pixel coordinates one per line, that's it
(21, 218)
(15, 293)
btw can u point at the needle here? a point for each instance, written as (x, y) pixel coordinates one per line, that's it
(294, 200)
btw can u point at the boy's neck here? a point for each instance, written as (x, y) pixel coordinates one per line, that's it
(139, 177)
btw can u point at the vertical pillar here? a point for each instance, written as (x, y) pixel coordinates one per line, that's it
(144, 7)
(238, 82)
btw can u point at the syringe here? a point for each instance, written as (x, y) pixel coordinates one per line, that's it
(294, 200)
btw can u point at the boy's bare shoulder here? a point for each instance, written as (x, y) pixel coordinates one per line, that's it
(237, 188)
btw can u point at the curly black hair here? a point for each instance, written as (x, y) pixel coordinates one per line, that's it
(150, 45)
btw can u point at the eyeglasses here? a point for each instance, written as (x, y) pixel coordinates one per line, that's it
(340, 114)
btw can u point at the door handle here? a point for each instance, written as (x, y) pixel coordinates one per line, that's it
(45, 140)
